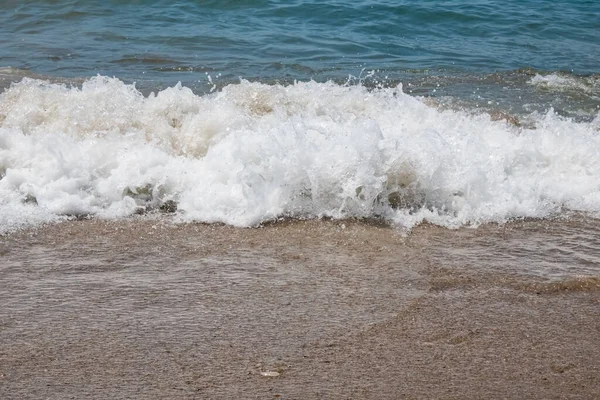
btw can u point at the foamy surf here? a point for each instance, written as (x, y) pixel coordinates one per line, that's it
(252, 153)
(589, 85)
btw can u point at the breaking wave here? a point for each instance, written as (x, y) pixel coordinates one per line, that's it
(253, 152)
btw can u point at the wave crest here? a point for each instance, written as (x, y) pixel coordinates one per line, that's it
(254, 152)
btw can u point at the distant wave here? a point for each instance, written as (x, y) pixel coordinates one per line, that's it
(562, 81)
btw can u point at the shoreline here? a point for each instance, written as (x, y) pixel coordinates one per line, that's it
(300, 310)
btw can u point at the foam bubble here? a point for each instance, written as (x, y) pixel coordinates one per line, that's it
(563, 82)
(254, 152)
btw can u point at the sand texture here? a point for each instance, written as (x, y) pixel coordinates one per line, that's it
(144, 309)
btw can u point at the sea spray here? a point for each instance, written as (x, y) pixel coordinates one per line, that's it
(254, 152)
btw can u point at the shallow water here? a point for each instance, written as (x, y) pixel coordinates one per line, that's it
(146, 308)
(559, 249)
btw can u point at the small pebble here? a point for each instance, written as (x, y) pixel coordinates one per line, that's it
(269, 373)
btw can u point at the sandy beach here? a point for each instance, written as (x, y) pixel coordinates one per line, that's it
(147, 309)
(299, 200)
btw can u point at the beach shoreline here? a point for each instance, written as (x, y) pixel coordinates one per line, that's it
(144, 308)
(299, 200)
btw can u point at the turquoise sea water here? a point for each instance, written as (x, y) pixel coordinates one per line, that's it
(178, 40)
(474, 51)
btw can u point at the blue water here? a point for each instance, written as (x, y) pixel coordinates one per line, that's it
(167, 41)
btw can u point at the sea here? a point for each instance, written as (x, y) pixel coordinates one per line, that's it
(299, 199)
(248, 113)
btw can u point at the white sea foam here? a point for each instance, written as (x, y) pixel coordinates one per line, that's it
(254, 152)
(562, 82)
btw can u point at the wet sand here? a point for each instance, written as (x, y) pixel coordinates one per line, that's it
(299, 310)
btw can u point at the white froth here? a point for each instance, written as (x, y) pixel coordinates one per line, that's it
(554, 81)
(254, 152)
